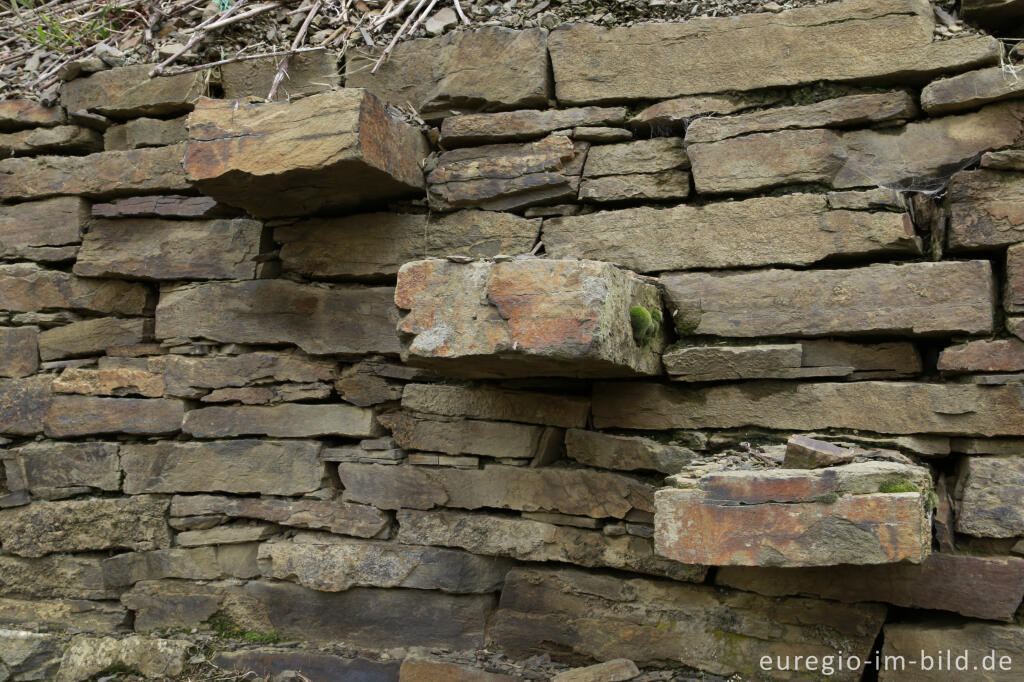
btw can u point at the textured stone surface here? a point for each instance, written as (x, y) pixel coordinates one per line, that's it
(514, 126)
(334, 515)
(240, 533)
(795, 229)
(23, 404)
(375, 245)
(152, 657)
(59, 576)
(193, 563)
(63, 465)
(978, 587)
(487, 69)
(507, 176)
(170, 249)
(91, 337)
(234, 466)
(581, 492)
(526, 318)
(316, 666)
(324, 562)
(19, 351)
(852, 110)
(365, 617)
(990, 496)
(145, 132)
(970, 90)
(577, 616)
(803, 452)
(308, 73)
(1001, 644)
(986, 209)
(27, 287)
(111, 382)
(334, 150)
(488, 402)
(916, 298)
(615, 670)
(317, 319)
(69, 140)
(74, 415)
(660, 186)
(189, 376)
(849, 41)
(906, 156)
(421, 670)
(1002, 355)
(625, 453)
(672, 116)
(1013, 296)
(642, 156)
(41, 528)
(77, 614)
(285, 421)
(16, 114)
(129, 92)
(878, 406)
(28, 655)
(166, 206)
(97, 176)
(529, 540)
(470, 436)
(30, 230)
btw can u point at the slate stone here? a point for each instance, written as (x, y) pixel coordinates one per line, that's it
(26, 287)
(518, 126)
(27, 229)
(75, 415)
(489, 402)
(988, 494)
(19, 351)
(332, 515)
(284, 421)
(129, 92)
(91, 337)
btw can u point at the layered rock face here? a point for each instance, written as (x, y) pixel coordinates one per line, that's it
(678, 349)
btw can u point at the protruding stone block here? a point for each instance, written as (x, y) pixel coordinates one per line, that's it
(487, 69)
(145, 132)
(915, 298)
(864, 39)
(970, 90)
(578, 616)
(166, 206)
(347, 320)
(336, 150)
(990, 496)
(91, 337)
(1013, 295)
(797, 229)
(129, 92)
(466, 436)
(1002, 355)
(986, 210)
(16, 114)
(63, 140)
(530, 318)
(797, 517)
(487, 402)
(23, 403)
(625, 453)
(171, 249)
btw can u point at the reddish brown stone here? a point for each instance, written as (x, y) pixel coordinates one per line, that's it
(807, 453)
(978, 587)
(1003, 355)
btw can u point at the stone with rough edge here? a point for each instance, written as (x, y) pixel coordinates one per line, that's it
(26, 655)
(850, 41)
(422, 670)
(23, 404)
(615, 670)
(190, 563)
(308, 74)
(117, 382)
(803, 452)
(315, 666)
(489, 402)
(989, 495)
(486, 69)
(16, 114)
(518, 126)
(1004, 159)
(27, 228)
(970, 90)
(365, 617)
(916, 155)
(974, 586)
(1013, 296)
(874, 406)
(849, 111)
(79, 415)
(91, 337)
(232, 466)
(145, 132)
(577, 616)
(63, 465)
(335, 150)
(129, 92)
(62, 140)
(376, 245)
(469, 436)
(335, 320)
(330, 564)
(986, 210)
(642, 156)
(284, 421)
(170, 249)
(189, 377)
(915, 298)
(527, 318)
(625, 453)
(672, 116)
(75, 614)
(58, 576)
(25, 287)
(166, 206)
(338, 517)
(581, 492)
(530, 540)
(19, 351)
(662, 186)
(905, 641)
(103, 175)
(157, 659)
(41, 528)
(795, 229)
(1001, 355)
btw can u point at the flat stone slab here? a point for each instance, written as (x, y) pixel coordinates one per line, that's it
(129, 92)
(986, 210)
(863, 39)
(990, 496)
(336, 150)
(576, 616)
(796, 229)
(339, 517)
(19, 351)
(289, 420)
(910, 299)
(489, 402)
(17, 114)
(518, 126)
(797, 517)
(1013, 296)
(308, 73)
(970, 90)
(38, 230)
(876, 406)
(528, 317)
(1001, 355)
(958, 644)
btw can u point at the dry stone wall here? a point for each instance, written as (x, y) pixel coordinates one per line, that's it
(695, 344)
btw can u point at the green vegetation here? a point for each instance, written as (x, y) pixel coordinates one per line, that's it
(60, 31)
(646, 324)
(827, 498)
(228, 629)
(898, 485)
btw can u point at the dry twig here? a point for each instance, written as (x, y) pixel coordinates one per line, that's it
(299, 37)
